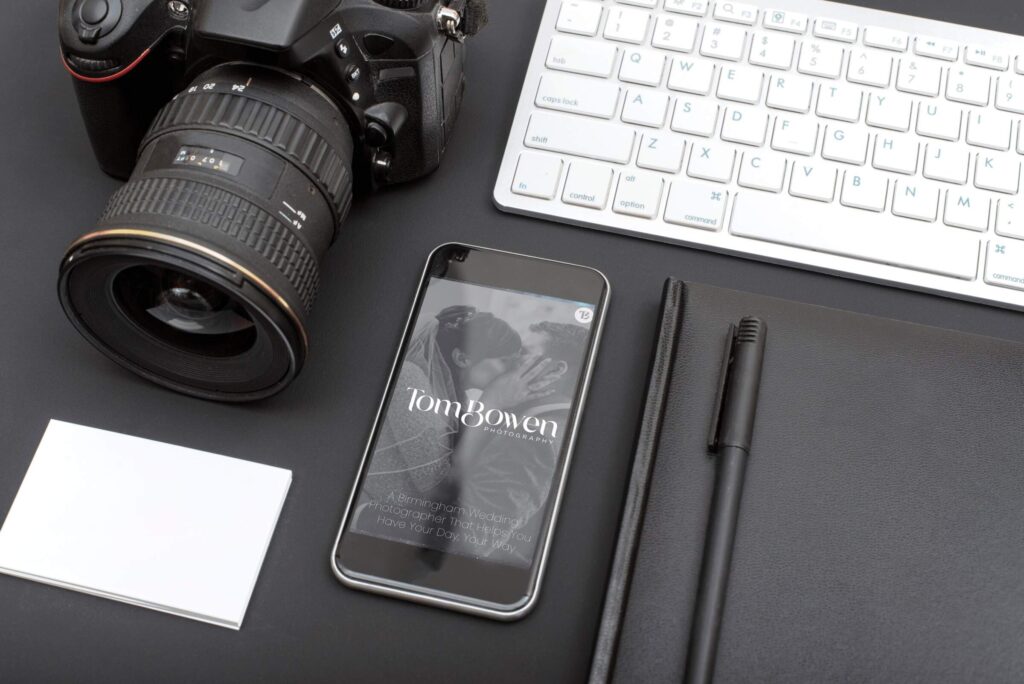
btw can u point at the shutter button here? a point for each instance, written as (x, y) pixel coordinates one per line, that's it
(94, 11)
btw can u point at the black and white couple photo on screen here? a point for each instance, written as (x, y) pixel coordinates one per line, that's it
(469, 444)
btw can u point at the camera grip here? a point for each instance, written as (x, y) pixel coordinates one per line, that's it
(117, 114)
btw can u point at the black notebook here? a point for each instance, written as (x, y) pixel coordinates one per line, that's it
(881, 530)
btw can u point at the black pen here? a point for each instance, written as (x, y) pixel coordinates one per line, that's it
(731, 432)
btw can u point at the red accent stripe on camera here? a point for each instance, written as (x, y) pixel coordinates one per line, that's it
(103, 79)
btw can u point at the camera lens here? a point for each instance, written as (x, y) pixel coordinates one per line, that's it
(202, 271)
(183, 311)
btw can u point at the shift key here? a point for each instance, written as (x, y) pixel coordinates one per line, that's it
(580, 137)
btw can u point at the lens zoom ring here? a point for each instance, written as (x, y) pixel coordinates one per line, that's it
(227, 213)
(270, 125)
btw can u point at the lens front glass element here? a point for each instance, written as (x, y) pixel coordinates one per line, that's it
(184, 311)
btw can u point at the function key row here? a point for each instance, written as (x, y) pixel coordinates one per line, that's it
(629, 25)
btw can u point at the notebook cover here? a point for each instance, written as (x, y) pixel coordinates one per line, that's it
(881, 532)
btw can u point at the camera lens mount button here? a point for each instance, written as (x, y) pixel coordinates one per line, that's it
(94, 11)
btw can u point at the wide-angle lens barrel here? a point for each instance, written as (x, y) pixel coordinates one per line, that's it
(203, 269)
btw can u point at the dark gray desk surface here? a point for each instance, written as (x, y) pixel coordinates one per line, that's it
(302, 625)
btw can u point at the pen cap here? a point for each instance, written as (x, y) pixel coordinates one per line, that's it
(733, 424)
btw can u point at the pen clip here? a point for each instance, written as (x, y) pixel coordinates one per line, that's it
(723, 380)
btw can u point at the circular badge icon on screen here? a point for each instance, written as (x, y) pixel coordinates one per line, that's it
(584, 315)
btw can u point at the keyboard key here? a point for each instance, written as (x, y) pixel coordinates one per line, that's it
(696, 8)
(833, 29)
(790, 92)
(645, 67)
(966, 210)
(741, 84)
(695, 117)
(886, 39)
(582, 56)
(864, 190)
(723, 42)
(939, 120)
(884, 240)
(813, 180)
(736, 12)
(691, 76)
(869, 68)
(697, 205)
(675, 33)
(986, 57)
(896, 153)
(919, 76)
(772, 50)
(639, 194)
(889, 110)
(939, 48)
(1010, 94)
(970, 86)
(711, 162)
(578, 95)
(989, 129)
(647, 4)
(795, 134)
(762, 171)
(745, 126)
(847, 144)
(579, 16)
(997, 172)
(1004, 264)
(949, 163)
(580, 137)
(821, 59)
(916, 200)
(1010, 219)
(839, 101)
(587, 185)
(627, 25)
(781, 20)
(537, 175)
(645, 108)
(661, 152)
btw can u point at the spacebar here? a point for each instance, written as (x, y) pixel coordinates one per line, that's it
(881, 238)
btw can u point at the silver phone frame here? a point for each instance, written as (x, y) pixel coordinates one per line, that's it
(540, 565)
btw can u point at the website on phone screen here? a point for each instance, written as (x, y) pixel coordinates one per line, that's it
(466, 456)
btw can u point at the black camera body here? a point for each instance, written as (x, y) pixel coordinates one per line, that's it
(391, 67)
(241, 127)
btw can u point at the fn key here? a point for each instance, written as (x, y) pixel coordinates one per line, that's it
(537, 175)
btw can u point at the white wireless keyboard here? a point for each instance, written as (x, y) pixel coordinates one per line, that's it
(853, 141)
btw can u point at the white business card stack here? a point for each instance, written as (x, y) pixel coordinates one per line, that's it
(159, 526)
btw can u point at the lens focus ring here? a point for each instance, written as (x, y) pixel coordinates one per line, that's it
(271, 126)
(226, 213)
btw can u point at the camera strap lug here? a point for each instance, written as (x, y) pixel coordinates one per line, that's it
(459, 19)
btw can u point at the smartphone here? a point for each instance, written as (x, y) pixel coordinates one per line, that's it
(460, 485)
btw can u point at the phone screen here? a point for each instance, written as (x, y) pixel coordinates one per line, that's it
(459, 489)
(469, 445)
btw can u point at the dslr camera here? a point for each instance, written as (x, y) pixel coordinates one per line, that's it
(241, 127)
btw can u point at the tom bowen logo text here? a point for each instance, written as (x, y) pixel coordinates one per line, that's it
(476, 414)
